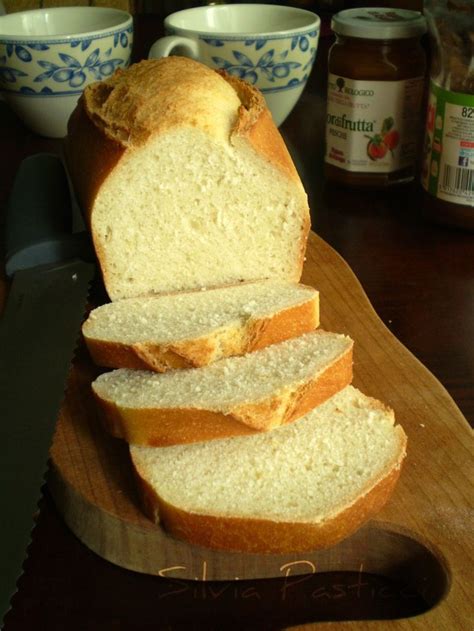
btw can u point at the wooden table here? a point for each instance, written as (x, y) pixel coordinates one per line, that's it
(419, 278)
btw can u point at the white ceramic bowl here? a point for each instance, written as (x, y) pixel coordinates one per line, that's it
(48, 56)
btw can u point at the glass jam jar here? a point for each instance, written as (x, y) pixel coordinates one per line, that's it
(448, 168)
(375, 97)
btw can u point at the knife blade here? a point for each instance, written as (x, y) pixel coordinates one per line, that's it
(51, 272)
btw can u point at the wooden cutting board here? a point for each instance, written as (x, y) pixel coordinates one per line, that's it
(424, 536)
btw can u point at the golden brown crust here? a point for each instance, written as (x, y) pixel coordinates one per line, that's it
(260, 535)
(153, 96)
(90, 158)
(256, 334)
(287, 408)
(144, 356)
(256, 125)
(165, 427)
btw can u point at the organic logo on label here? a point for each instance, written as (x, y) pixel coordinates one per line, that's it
(356, 92)
(340, 86)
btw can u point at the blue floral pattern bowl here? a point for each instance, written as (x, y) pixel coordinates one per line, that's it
(272, 47)
(274, 63)
(42, 74)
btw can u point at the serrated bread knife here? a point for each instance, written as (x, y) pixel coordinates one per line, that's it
(38, 333)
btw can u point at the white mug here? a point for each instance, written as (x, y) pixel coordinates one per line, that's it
(48, 56)
(272, 47)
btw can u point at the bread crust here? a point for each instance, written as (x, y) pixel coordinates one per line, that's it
(256, 126)
(96, 143)
(84, 145)
(166, 427)
(255, 333)
(264, 536)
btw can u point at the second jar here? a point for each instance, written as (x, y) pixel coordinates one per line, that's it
(375, 97)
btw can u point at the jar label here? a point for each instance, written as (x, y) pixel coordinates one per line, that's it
(448, 165)
(373, 126)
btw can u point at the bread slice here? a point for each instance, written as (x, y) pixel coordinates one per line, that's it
(300, 487)
(197, 328)
(185, 180)
(234, 396)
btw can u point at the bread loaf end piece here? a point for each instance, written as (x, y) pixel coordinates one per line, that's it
(185, 180)
(301, 487)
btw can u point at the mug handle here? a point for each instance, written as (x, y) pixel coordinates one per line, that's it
(163, 46)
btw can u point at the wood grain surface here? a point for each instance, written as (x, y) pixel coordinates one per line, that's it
(423, 536)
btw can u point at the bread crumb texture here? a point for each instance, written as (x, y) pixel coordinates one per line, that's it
(308, 471)
(190, 315)
(187, 211)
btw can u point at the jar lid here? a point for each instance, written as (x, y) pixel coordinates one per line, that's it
(379, 23)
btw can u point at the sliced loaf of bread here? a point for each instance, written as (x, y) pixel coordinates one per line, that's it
(234, 396)
(199, 327)
(300, 487)
(185, 180)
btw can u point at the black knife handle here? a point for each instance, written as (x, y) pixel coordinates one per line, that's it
(39, 217)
